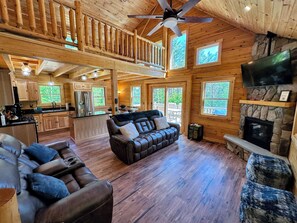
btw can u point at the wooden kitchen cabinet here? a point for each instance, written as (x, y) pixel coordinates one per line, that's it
(28, 90)
(39, 122)
(55, 120)
(23, 90)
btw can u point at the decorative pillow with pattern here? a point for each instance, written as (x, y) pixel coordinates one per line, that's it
(129, 131)
(161, 123)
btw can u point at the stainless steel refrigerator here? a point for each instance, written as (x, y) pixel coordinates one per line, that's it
(83, 103)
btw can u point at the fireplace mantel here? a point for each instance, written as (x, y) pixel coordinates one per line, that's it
(269, 103)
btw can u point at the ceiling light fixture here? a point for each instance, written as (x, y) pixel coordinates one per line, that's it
(247, 8)
(51, 83)
(26, 69)
(95, 74)
(84, 78)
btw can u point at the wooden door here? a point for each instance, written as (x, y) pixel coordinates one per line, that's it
(33, 91)
(50, 123)
(23, 90)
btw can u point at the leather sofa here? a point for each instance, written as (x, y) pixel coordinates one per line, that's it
(90, 199)
(149, 140)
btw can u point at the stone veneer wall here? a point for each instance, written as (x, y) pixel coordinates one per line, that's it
(282, 117)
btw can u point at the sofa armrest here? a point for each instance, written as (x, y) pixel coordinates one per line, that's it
(175, 125)
(93, 202)
(121, 138)
(58, 145)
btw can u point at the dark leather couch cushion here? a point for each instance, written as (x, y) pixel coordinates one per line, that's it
(71, 183)
(11, 144)
(143, 125)
(9, 177)
(7, 156)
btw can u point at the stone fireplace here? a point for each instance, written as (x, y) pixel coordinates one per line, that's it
(281, 120)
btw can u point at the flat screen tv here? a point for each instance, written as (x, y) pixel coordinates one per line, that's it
(272, 70)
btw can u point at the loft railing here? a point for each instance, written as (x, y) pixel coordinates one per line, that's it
(66, 24)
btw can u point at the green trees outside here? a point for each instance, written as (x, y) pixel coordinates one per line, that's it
(178, 52)
(98, 96)
(136, 96)
(48, 94)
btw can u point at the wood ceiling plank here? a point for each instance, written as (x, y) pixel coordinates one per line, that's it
(82, 71)
(40, 66)
(64, 69)
(8, 62)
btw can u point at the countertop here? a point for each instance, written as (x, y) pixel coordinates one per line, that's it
(47, 110)
(9, 124)
(97, 113)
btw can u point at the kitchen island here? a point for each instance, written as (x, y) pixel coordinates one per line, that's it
(89, 126)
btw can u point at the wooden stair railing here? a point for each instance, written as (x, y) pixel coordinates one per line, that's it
(68, 25)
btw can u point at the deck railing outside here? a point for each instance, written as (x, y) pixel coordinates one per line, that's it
(66, 24)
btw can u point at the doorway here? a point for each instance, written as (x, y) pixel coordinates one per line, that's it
(169, 99)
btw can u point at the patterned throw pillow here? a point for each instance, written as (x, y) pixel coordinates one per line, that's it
(129, 131)
(161, 123)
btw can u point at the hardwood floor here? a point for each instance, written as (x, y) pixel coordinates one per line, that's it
(185, 182)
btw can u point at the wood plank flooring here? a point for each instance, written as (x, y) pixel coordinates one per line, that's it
(186, 182)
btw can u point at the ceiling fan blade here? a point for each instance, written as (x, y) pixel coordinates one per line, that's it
(187, 7)
(164, 5)
(146, 16)
(155, 29)
(190, 19)
(176, 30)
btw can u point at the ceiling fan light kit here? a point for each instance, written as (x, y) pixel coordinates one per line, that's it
(171, 17)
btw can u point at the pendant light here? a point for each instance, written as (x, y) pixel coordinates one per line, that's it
(95, 74)
(84, 77)
(51, 83)
(26, 69)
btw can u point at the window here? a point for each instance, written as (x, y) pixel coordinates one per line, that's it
(178, 49)
(136, 96)
(209, 55)
(98, 96)
(68, 39)
(49, 94)
(216, 98)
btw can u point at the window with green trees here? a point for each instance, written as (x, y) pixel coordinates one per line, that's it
(98, 96)
(136, 96)
(49, 94)
(178, 48)
(216, 97)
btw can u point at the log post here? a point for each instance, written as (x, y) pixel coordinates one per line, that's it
(31, 15)
(117, 41)
(165, 44)
(93, 24)
(135, 46)
(106, 37)
(72, 25)
(19, 17)
(100, 35)
(114, 91)
(63, 22)
(53, 17)
(4, 11)
(42, 16)
(86, 25)
(79, 26)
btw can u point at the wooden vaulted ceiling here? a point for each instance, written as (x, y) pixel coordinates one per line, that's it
(278, 16)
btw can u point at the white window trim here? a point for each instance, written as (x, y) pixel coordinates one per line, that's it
(196, 57)
(104, 90)
(230, 99)
(131, 95)
(170, 52)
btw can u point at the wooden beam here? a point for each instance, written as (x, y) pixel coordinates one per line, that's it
(40, 67)
(82, 71)
(114, 91)
(27, 47)
(8, 62)
(64, 69)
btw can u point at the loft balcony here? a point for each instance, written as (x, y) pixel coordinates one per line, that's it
(69, 27)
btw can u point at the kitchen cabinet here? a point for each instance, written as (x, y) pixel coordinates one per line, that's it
(39, 122)
(6, 95)
(28, 90)
(55, 120)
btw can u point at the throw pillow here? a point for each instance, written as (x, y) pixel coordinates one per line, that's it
(161, 123)
(47, 187)
(129, 131)
(42, 154)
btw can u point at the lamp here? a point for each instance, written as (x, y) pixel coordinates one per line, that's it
(95, 74)
(26, 69)
(51, 83)
(84, 77)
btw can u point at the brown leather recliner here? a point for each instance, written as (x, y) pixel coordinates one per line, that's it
(90, 199)
(149, 140)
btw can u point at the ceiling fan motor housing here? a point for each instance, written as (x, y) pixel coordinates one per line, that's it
(170, 18)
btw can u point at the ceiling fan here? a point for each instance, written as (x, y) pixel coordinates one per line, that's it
(172, 17)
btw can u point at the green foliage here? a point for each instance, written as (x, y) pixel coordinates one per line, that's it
(178, 52)
(208, 55)
(136, 96)
(175, 95)
(159, 95)
(98, 96)
(49, 94)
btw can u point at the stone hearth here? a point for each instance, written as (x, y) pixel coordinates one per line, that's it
(282, 127)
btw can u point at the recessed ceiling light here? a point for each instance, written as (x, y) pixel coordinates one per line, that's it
(95, 74)
(84, 78)
(247, 8)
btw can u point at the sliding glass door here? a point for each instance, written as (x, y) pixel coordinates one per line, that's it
(168, 100)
